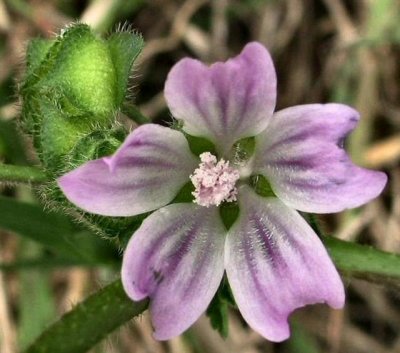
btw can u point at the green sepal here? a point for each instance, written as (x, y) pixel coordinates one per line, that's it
(185, 194)
(229, 212)
(124, 48)
(96, 144)
(35, 54)
(58, 136)
(85, 70)
(199, 145)
(243, 150)
(80, 65)
(261, 186)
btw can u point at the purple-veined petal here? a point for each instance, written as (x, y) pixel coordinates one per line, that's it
(226, 101)
(145, 173)
(275, 264)
(176, 258)
(301, 153)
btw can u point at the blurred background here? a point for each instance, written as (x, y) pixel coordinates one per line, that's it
(324, 50)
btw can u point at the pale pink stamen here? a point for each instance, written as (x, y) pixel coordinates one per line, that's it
(214, 182)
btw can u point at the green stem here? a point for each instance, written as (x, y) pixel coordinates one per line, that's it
(89, 322)
(360, 261)
(133, 113)
(364, 262)
(21, 174)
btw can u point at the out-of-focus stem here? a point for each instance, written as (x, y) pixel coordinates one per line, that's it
(21, 174)
(133, 113)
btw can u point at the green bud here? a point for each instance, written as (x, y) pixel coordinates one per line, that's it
(73, 88)
(73, 85)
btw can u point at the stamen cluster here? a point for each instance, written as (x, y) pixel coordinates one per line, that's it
(214, 181)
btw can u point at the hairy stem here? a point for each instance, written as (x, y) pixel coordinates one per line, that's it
(89, 322)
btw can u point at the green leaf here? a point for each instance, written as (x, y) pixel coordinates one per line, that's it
(47, 262)
(54, 231)
(217, 311)
(89, 322)
(36, 299)
(364, 262)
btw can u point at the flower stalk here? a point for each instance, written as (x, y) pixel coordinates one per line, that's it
(21, 174)
(76, 332)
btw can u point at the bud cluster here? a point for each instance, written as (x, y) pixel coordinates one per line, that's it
(72, 89)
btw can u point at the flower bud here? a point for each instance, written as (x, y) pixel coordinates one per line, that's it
(71, 91)
(74, 85)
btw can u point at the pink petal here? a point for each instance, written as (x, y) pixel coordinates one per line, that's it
(145, 173)
(226, 101)
(301, 153)
(275, 264)
(176, 259)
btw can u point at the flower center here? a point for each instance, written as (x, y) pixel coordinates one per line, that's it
(214, 182)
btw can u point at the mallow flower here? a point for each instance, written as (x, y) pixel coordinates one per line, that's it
(273, 260)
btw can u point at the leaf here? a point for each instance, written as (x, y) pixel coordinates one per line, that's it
(89, 322)
(54, 231)
(217, 311)
(46, 262)
(35, 299)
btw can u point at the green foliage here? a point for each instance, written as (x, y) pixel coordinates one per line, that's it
(36, 298)
(55, 232)
(217, 311)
